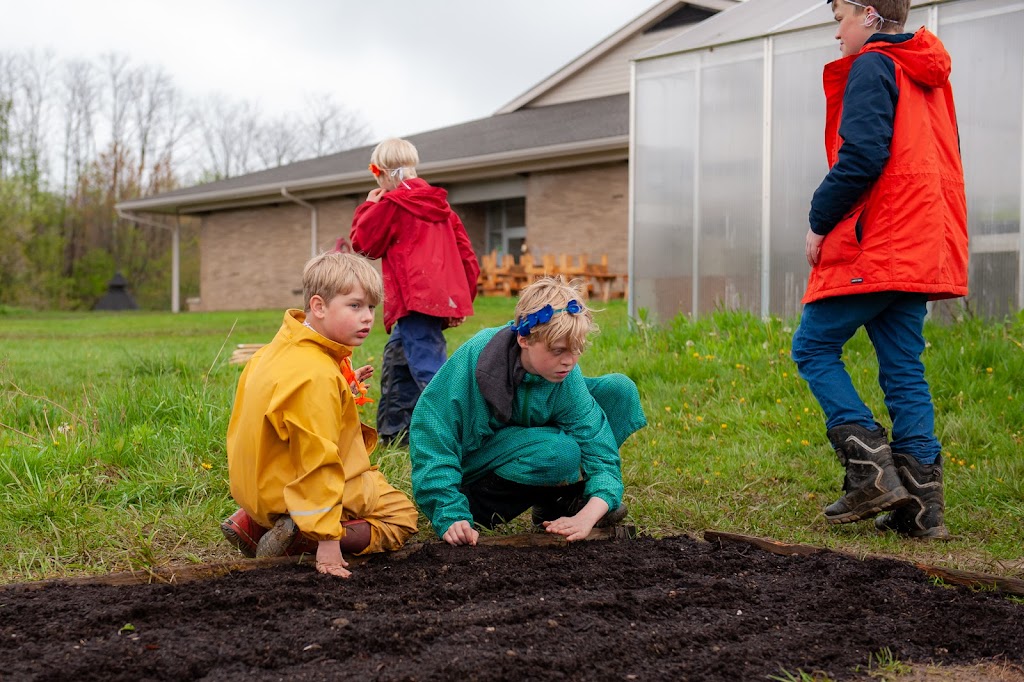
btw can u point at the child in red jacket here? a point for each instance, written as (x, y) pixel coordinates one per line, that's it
(430, 274)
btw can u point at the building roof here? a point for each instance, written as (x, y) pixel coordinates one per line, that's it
(557, 136)
(750, 19)
(646, 21)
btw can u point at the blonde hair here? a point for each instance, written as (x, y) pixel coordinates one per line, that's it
(895, 12)
(556, 292)
(333, 273)
(394, 153)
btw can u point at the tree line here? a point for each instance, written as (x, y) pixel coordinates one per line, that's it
(78, 136)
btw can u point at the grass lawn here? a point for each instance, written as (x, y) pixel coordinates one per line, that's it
(112, 434)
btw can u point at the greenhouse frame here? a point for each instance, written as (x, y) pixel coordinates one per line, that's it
(727, 147)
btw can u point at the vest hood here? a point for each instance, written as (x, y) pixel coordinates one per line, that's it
(923, 58)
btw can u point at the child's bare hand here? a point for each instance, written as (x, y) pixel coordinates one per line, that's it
(812, 247)
(364, 372)
(570, 527)
(455, 321)
(375, 194)
(329, 560)
(461, 533)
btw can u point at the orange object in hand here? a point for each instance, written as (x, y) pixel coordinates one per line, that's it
(359, 389)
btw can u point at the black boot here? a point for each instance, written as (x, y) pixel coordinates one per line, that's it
(923, 516)
(871, 484)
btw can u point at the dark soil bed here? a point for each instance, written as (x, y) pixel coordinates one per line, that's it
(672, 609)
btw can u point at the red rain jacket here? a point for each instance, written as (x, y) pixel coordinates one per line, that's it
(909, 230)
(428, 262)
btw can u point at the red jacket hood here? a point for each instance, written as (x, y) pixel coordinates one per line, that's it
(420, 199)
(922, 58)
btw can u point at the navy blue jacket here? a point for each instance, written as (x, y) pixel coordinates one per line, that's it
(869, 107)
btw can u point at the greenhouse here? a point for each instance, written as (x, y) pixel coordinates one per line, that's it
(727, 147)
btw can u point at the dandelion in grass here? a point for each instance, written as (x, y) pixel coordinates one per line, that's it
(206, 465)
(725, 426)
(668, 408)
(654, 463)
(785, 375)
(778, 401)
(989, 370)
(805, 442)
(700, 418)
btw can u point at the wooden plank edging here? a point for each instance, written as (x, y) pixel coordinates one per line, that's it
(181, 574)
(973, 579)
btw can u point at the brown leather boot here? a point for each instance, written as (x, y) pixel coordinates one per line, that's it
(871, 484)
(923, 516)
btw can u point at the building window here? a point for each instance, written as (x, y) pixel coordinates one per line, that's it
(506, 226)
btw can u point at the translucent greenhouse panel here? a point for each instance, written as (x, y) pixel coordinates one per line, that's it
(663, 166)
(729, 186)
(798, 158)
(984, 42)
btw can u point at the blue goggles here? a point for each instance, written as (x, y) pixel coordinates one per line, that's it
(543, 316)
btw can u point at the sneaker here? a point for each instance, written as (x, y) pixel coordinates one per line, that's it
(241, 531)
(278, 539)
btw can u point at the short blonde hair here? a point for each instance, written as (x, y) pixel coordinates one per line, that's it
(333, 273)
(394, 153)
(895, 12)
(557, 293)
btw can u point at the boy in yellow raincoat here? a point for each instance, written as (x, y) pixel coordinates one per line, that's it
(298, 456)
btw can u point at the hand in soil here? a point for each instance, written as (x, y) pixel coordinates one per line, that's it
(461, 533)
(329, 560)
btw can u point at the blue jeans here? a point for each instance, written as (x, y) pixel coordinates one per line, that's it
(894, 322)
(414, 352)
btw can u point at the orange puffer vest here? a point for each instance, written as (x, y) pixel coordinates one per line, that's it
(908, 232)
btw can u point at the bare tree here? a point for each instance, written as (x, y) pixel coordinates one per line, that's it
(279, 142)
(30, 111)
(229, 131)
(81, 95)
(329, 127)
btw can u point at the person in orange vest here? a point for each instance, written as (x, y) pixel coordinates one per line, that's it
(888, 233)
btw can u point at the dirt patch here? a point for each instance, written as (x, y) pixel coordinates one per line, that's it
(644, 609)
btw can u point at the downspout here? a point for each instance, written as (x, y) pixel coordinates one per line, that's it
(313, 237)
(175, 252)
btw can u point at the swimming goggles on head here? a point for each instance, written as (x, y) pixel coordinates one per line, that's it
(872, 18)
(544, 316)
(393, 172)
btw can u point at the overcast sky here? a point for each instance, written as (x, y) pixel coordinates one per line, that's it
(406, 65)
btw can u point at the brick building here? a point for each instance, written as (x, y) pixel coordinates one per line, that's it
(549, 169)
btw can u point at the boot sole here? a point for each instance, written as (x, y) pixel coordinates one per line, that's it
(232, 536)
(277, 540)
(890, 500)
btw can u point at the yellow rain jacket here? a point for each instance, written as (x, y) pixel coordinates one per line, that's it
(295, 444)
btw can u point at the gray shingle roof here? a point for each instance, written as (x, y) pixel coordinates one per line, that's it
(495, 137)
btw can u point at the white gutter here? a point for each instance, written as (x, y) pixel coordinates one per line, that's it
(175, 252)
(313, 227)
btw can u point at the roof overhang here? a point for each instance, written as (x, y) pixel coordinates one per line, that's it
(484, 167)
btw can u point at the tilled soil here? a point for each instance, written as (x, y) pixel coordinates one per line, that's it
(670, 609)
